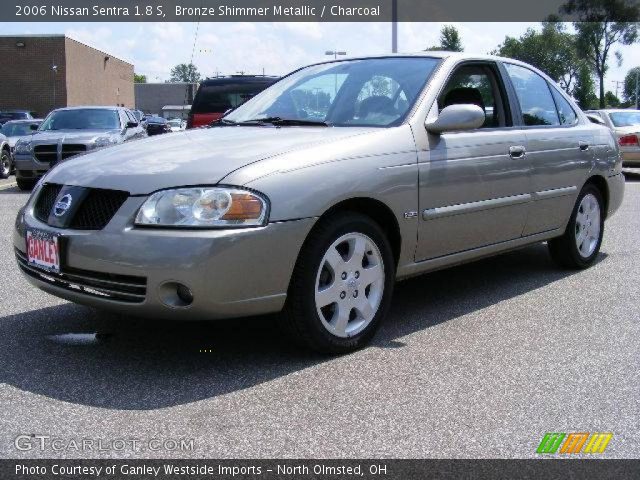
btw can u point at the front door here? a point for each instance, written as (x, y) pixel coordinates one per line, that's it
(474, 186)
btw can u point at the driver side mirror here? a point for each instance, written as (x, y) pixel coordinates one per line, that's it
(33, 126)
(132, 124)
(456, 117)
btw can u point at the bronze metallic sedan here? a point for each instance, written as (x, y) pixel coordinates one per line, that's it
(319, 193)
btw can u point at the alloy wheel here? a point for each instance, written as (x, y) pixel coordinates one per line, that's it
(587, 225)
(5, 165)
(349, 285)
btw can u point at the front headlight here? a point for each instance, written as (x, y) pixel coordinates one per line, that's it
(22, 147)
(102, 142)
(203, 207)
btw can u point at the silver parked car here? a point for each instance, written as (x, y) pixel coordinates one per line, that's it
(319, 193)
(626, 126)
(13, 130)
(67, 132)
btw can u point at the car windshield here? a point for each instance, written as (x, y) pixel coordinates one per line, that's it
(16, 129)
(13, 116)
(175, 123)
(371, 92)
(625, 119)
(156, 120)
(82, 119)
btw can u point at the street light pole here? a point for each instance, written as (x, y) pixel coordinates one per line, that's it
(335, 54)
(394, 26)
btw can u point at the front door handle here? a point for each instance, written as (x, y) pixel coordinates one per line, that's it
(584, 146)
(517, 151)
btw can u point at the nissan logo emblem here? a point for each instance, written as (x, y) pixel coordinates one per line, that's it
(62, 205)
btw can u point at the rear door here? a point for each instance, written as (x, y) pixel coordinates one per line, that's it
(474, 186)
(559, 148)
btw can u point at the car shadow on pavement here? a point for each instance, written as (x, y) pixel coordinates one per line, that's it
(144, 364)
(632, 176)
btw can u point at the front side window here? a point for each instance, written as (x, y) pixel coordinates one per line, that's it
(372, 92)
(82, 119)
(566, 113)
(625, 119)
(476, 85)
(16, 129)
(534, 96)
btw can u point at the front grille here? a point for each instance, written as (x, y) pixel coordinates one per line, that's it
(69, 150)
(46, 153)
(94, 213)
(122, 288)
(46, 199)
(98, 209)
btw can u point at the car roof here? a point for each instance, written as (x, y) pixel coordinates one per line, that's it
(613, 110)
(239, 79)
(24, 120)
(91, 107)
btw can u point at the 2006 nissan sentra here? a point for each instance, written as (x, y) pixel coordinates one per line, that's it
(315, 196)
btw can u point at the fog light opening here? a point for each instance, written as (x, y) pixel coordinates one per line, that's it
(175, 295)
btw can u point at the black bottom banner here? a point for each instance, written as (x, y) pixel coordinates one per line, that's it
(318, 469)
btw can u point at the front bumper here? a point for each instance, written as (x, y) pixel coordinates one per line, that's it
(28, 167)
(230, 273)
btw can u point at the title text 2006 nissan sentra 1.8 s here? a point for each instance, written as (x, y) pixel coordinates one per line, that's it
(316, 195)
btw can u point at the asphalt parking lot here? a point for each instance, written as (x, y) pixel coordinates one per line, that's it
(476, 361)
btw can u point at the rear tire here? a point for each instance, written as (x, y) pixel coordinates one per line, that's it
(25, 184)
(341, 286)
(580, 244)
(6, 165)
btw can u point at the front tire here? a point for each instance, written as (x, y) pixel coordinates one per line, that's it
(342, 285)
(5, 164)
(25, 184)
(580, 244)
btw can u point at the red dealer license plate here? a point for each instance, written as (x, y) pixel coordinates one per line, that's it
(43, 250)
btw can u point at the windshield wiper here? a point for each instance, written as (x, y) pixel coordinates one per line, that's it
(222, 121)
(279, 121)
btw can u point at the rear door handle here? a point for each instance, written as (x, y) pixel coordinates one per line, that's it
(517, 151)
(584, 146)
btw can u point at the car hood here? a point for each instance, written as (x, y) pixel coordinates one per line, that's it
(195, 157)
(68, 136)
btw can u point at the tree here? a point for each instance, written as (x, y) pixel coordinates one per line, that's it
(552, 50)
(630, 80)
(611, 101)
(449, 40)
(583, 90)
(185, 73)
(601, 25)
(137, 78)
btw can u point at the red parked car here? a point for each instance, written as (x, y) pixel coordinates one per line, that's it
(217, 95)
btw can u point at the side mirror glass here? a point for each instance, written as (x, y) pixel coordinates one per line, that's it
(33, 126)
(456, 117)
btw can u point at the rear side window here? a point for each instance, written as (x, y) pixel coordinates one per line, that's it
(218, 98)
(534, 96)
(566, 113)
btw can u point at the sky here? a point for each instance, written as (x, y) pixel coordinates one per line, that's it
(275, 48)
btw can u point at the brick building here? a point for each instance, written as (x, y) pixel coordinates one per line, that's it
(43, 72)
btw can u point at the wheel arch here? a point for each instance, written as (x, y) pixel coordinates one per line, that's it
(379, 212)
